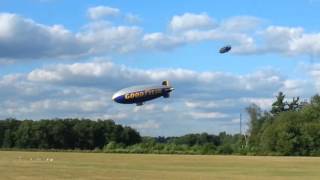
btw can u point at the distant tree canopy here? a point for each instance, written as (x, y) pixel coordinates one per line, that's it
(64, 134)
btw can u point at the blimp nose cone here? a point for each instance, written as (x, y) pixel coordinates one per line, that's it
(117, 97)
(114, 97)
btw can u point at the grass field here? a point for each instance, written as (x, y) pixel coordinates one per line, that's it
(59, 165)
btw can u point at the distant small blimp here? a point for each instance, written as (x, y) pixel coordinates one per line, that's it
(139, 94)
(225, 49)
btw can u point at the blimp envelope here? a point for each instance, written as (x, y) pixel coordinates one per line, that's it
(140, 94)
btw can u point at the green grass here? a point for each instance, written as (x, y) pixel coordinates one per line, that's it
(18, 165)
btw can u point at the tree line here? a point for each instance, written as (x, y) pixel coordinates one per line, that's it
(105, 136)
(289, 128)
(64, 134)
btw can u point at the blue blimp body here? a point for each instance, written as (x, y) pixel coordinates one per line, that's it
(140, 94)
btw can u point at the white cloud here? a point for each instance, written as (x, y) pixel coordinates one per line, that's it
(99, 12)
(85, 90)
(41, 75)
(144, 108)
(202, 104)
(220, 32)
(189, 21)
(62, 105)
(111, 38)
(116, 117)
(314, 71)
(224, 104)
(160, 41)
(264, 103)
(18, 40)
(235, 121)
(167, 108)
(297, 87)
(290, 41)
(107, 74)
(241, 23)
(306, 44)
(149, 124)
(216, 104)
(207, 115)
(280, 38)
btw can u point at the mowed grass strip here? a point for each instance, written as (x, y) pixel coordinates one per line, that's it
(60, 165)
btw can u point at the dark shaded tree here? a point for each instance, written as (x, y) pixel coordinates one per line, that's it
(279, 105)
(64, 134)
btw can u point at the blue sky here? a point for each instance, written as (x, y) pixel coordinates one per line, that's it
(65, 59)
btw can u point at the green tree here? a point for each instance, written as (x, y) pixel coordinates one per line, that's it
(255, 123)
(9, 137)
(279, 105)
(294, 105)
(2, 131)
(24, 135)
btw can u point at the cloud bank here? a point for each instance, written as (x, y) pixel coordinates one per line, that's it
(23, 38)
(208, 99)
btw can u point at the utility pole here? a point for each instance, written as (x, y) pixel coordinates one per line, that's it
(240, 124)
(242, 146)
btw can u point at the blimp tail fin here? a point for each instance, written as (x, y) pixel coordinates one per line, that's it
(165, 83)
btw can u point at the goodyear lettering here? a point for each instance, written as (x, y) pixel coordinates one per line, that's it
(140, 94)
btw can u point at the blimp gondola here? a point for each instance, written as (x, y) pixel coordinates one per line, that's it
(140, 94)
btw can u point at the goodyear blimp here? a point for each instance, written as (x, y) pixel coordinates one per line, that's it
(140, 94)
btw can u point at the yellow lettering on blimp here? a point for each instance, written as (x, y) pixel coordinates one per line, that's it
(127, 96)
(152, 92)
(134, 95)
(140, 94)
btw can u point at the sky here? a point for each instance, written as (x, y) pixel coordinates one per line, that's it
(62, 58)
